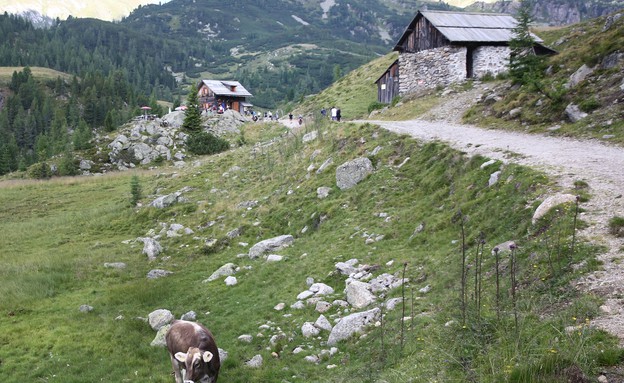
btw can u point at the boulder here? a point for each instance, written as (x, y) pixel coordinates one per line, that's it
(255, 362)
(322, 323)
(494, 178)
(159, 318)
(578, 76)
(323, 192)
(353, 172)
(245, 338)
(166, 201)
(115, 265)
(573, 113)
(549, 203)
(230, 281)
(85, 308)
(158, 273)
(358, 294)
(151, 247)
(308, 330)
(189, 316)
(223, 271)
(310, 136)
(269, 245)
(159, 339)
(274, 258)
(352, 324)
(321, 289)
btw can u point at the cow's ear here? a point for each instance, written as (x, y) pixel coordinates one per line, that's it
(180, 357)
(207, 356)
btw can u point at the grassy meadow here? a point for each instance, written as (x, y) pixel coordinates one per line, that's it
(58, 234)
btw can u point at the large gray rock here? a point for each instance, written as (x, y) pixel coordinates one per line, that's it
(270, 245)
(574, 114)
(255, 362)
(159, 339)
(321, 289)
(358, 294)
(578, 76)
(352, 324)
(549, 203)
(353, 172)
(158, 273)
(166, 200)
(151, 247)
(309, 330)
(159, 318)
(323, 323)
(223, 271)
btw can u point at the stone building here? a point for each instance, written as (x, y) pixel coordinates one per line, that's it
(440, 48)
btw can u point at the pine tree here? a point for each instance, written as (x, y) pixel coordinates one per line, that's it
(525, 67)
(192, 116)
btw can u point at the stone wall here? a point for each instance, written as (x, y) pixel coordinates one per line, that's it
(446, 65)
(492, 60)
(431, 68)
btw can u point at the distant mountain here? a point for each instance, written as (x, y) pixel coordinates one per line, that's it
(52, 9)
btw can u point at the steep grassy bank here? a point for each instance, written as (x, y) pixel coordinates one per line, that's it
(57, 236)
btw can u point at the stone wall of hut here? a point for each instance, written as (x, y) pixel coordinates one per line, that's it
(492, 60)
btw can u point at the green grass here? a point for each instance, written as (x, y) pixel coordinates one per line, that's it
(6, 73)
(58, 234)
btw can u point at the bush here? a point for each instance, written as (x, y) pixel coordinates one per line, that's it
(616, 226)
(375, 105)
(589, 105)
(206, 143)
(40, 170)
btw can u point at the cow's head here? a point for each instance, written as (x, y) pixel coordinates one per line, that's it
(196, 365)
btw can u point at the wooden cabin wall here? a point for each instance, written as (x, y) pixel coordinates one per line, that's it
(424, 36)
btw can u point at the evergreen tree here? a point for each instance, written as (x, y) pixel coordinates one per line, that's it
(67, 166)
(192, 116)
(525, 67)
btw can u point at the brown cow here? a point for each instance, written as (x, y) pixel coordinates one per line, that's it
(192, 348)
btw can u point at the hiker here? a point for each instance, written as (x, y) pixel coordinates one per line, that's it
(323, 112)
(290, 116)
(333, 113)
(338, 115)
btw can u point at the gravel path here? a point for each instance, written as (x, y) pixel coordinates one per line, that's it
(565, 161)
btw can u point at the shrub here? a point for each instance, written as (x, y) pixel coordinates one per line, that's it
(135, 190)
(589, 104)
(202, 143)
(616, 226)
(375, 105)
(40, 170)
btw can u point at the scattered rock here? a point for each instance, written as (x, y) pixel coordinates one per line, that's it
(151, 247)
(268, 245)
(230, 281)
(255, 362)
(494, 178)
(549, 203)
(159, 318)
(312, 359)
(85, 308)
(223, 355)
(274, 258)
(322, 323)
(320, 289)
(189, 316)
(223, 271)
(308, 330)
(573, 113)
(246, 338)
(158, 273)
(352, 324)
(322, 306)
(167, 200)
(323, 192)
(310, 136)
(328, 162)
(578, 76)
(159, 339)
(279, 306)
(358, 294)
(392, 303)
(353, 172)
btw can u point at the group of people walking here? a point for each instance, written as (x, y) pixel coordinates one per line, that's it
(334, 113)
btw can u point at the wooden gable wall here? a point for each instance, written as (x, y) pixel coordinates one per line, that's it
(423, 36)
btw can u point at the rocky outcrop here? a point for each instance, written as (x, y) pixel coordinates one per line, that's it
(352, 324)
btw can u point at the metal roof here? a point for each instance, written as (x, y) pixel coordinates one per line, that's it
(224, 88)
(470, 27)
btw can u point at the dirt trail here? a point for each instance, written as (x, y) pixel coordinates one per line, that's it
(565, 161)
